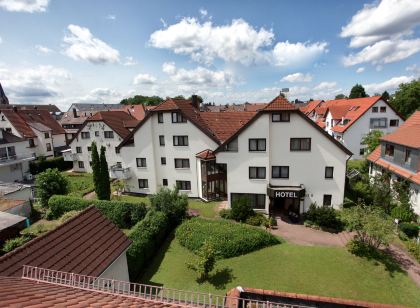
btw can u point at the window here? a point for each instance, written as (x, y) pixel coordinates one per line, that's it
(117, 150)
(257, 172)
(48, 147)
(11, 152)
(177, 117)
(162, 140)
(81, 164)
(182, 163)
(407, 157)
(96, 133)
(300, 144)
(329, 172)
(118, 164)
(163, 160)
(31, 143)
(78, 149)
(141, 162)
(109, 134)
(180, 140)
(160, 117)
(375, 109)
(378, 122)
(389, 150)
(165, 182)
(89, 149)
(183, 185)
(362, 151)
(257, 201)
(280, 172)
(280, 117)
(394, 123)
(327, 200)
(232, 146)
(3, 153)
(47, 135)
(143, 183)
(85, 135)
(257, 145)
(382, 109)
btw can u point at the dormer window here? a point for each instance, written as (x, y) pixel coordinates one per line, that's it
(345, 122)
(389, 150)
(177, 117)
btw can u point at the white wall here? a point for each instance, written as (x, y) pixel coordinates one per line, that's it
(15, 172)
(59, 140)
(118, 270)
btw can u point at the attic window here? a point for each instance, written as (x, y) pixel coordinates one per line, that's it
(345, 122)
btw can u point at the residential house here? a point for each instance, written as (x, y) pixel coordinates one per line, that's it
(399, 153)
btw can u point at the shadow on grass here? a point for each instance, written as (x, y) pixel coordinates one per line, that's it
(221, 278)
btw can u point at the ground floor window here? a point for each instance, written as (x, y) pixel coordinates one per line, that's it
(143, 183)
(165, 182)
(81, 164)
(183, 185)
(257, 200)
(327, 200)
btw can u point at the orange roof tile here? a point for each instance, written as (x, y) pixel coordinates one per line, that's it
(310, 106)
(407, 134)
(136, 111)
(114, 119)
(206, 154)
(279, 103)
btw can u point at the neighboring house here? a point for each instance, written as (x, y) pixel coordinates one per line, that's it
(309, 109)
(87, 244)
(265, 155)
(350, 120)
(15, 156)
(16, 191)
(252, 107)
(45, 135)
(399, 153)
(106, 128)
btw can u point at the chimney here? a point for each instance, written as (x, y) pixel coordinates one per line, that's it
(195, 102)
(15, 109)
(74, 113)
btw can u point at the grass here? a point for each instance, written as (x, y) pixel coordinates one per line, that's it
(205, 209)
(324, 271)
(80, 183)
(132, 199)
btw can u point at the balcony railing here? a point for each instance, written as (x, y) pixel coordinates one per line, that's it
(70, 156)
(13, 159)
(117, 171)
(145, 292)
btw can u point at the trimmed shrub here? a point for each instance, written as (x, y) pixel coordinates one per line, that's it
(257, 219)
(229, 239)
(50, 182)
(402, 214)
(241, 209)
(172, 203)
(123, 214)
(361, 249)
(14, 243)
(324, 217)
(411, 230)
(42, 164)
(68, 215)
(225, 213)
(147, 236)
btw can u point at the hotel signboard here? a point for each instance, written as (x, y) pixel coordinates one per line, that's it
(286, 192)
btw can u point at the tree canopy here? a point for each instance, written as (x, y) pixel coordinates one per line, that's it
(50, 182)
(372, 140)
(357, 91)
(407, 98)
(142, 100)
(340, 96)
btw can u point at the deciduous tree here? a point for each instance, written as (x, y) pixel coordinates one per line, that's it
(50, 182)
(357, 91)
(407, 98)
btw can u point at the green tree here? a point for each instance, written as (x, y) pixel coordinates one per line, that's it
(386, 96)
(104, 183)
(372, 140)
(407, 98)
(205, 262)
(50, 182)
(357, 91)
(96, 169)
(241, 209)
(382, 192)
(142, 100)
(340, 96)
(179, 97)
(173, 204)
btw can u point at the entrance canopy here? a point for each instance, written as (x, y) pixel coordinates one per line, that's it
(286, 191)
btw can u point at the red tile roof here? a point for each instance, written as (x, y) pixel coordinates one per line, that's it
(136, 111)
(20, 292)
(85, 244)
(407, 134)
(375, 157)
(310, 106)
(279, 103)
(114, 119)
(206, 154)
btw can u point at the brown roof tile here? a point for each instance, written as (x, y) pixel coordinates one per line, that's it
(114, 119)
(206, 154)
(310, 106)
(407, 134)
(136, 111)
(86, 244)
(279, 103)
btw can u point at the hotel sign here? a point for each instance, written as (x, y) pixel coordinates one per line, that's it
(286, 192)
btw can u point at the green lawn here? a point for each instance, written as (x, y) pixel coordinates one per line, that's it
(206, 209)
(80, 183)
(328, 271)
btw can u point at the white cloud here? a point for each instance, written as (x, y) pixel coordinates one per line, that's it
(100, 95)
(1, 40)
(413, 68)
(164, 24)
(292, 54)
(325, 85)
(82, 45)
(381, 20)
(144, 79)
(203, 13)
(111, 17)
(360, 70)
(43, 49)
(198, 76)
(383, 52)
(27, 6)
(298, 77)
(388, 85)
(130, 61)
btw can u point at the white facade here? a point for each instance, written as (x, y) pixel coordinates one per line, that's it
(14, 161)
(147, 145)
(96, 131)
(118, 270)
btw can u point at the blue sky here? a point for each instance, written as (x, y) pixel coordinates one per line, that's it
(62, 52)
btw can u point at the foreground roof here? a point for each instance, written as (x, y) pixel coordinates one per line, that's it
(85, 244)
(408, 133)
(115, 119)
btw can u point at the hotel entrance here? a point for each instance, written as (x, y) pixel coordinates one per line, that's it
(285, 201)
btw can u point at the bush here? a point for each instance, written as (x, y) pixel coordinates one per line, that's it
(68, 215)
(323, 217)
(147, 236)
(171, 203)
(205, 262)
(414, 249)
(361, 249)
(241, 209)
(225, 213)
(123, 214)
(42, 164)
(257, 219)
(50, 182)
(411, 230)
(14, 243)
(402, 214)
(39, 228)
(229, 239)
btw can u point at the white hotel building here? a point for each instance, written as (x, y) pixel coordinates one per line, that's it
(277, 157)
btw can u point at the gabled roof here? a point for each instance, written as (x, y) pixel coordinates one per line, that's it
(9, 138)
(85, 244)
(39, 127)
(280, 103)
(408, 133)
(310, 106)
(94, 107)
(136, 111)
(206, 154)
(114, 119)
(49, 107)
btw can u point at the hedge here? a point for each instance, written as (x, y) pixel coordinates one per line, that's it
(40, 165)
(123, 214)
(409, 229)
(229, 239)
(147, 237)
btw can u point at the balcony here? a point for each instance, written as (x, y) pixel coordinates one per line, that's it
(118, 172)
(15, 159)
(69, 156)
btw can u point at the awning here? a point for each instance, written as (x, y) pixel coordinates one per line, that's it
(286, 191)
